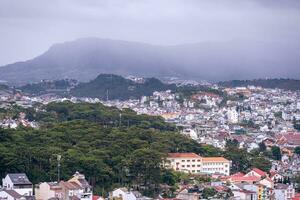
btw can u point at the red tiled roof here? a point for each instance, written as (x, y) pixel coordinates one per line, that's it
(183, 155)
(95, 197)
(260, 172)
(238, 174)
(290, 138)
(244, 179)
(214, 159)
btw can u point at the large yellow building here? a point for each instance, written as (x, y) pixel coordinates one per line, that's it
(193, 163)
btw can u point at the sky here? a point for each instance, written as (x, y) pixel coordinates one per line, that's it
(29, 27)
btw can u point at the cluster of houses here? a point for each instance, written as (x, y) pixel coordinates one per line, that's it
(254, 185)
(14, 123)
(249, 110)
(18, 187)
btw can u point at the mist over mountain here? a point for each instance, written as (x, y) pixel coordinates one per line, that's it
(84, 59)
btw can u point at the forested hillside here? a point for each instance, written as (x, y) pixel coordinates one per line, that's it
(116, 87)
(44, 87)
(111, 147)
(94, 140)
(286, 84)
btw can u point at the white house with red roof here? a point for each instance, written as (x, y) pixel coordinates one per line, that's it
(257, 172)
(268, 182)
(193, 163)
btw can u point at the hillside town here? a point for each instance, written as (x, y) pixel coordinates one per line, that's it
(251, 116)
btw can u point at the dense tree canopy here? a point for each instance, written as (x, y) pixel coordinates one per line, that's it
(111, 147)
(94, 140)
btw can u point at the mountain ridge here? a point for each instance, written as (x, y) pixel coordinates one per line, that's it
(84, 58)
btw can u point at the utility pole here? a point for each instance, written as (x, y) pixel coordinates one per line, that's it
(58, 167)
(107, 95)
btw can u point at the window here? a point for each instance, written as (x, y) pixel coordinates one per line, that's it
(182, 165)
(193, 165)
(187, 160)
(193, 170)
(198, 165)
(193, 160)
(182, 160)
(188, 166)
(198, 160)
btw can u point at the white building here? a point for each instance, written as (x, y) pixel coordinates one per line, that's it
(232, 116)
(10, 195)
(284, 192)
(193, 163)
(19, 183)
(124, 194)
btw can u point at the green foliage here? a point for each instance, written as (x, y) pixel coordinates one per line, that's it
(278, 114)
(262, 147)
(116, 87)
(109, 154)
(276, 153)
(232, 144)
(185, 92)
(296, 180)
(208, 192)
(261, 162)
(296, 124)
(242, 160)
(57, 86)
(297, 150)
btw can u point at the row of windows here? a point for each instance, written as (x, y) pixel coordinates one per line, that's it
(214, 163)
(190, 160)
(190, 165)
(213, 169)
(195, 171)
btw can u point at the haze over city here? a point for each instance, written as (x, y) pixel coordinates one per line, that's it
(253, 36)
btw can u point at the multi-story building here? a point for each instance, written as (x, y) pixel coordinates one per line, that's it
(284, 192)
(19, 183)
(193, 163)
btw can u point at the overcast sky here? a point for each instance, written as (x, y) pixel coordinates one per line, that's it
(30, 27)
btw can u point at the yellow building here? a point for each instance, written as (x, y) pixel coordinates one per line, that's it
(193, 163)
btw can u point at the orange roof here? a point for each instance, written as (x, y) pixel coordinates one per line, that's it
(183, 155)
(214, 159)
